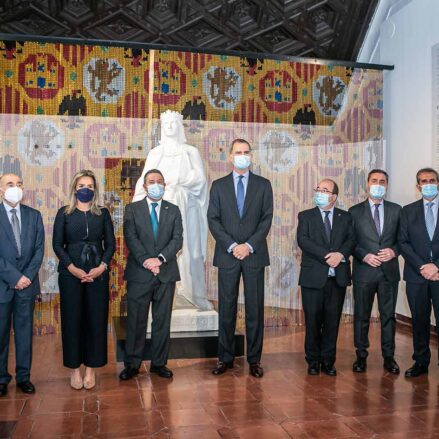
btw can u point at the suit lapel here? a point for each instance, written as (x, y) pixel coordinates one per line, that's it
(230, 186)
(144, 208)
(321, 225)
(421, 216)
(24, 225)
(387, 214)
(336, 224)
(4, 222)
(251, 190)
(163, 218)
(436, 230)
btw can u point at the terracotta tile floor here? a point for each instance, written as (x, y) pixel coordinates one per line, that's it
(286, 403)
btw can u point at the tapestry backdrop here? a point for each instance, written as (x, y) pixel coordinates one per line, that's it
(68, 107)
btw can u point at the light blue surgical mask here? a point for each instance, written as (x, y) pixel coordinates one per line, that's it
(321, 199)
(155, 191)
(377, 191)
(241, 161)
(429, 190)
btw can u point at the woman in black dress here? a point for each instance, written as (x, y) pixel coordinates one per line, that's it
(83, 240)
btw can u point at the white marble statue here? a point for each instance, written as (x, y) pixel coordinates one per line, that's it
(186, 186)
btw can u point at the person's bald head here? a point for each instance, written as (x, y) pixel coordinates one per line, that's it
(330, 188)
(10, 180)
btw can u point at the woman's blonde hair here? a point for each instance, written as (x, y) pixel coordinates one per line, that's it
(94, 209)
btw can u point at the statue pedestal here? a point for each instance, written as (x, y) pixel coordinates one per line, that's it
(187, 318)
(194, 333)
(193, 344)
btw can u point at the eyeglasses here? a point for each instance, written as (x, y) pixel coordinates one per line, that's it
(323, 191)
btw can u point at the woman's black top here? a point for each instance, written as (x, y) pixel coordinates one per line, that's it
(83, 239)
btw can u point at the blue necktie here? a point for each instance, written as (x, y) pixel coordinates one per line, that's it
(240, 196)
(154, 221)
(429, 220)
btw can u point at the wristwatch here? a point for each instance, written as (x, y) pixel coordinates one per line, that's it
(105, 265)
(161, 259)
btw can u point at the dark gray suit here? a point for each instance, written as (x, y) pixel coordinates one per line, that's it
(19, 304)
(227, 228)
(142, 286)
(369, 280)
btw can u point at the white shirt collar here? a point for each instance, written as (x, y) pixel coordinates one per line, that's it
(236, 175)
(9, 208)
(159, 203)
(331, 210)
(372, 204)
(434, 201)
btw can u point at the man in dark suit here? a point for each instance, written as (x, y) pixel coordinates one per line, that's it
(153, 233)
(419, 245)
(240, 214)
(375, 269)
(326, 237)
(21, 255)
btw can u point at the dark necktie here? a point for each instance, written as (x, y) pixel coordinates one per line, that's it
(376, 219)
(240, 196)
(327, 225)
(154, 220)
(16, 229)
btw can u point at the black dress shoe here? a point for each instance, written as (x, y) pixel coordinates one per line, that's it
(3, 389)
(256, 370)
(391, 366)
(128, 373)
(221, 367)
(416, 370)
(162, 371)
(329, 369)
(26, 387)
(314, 368)
(360, 365)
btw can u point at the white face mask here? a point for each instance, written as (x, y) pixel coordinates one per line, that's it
(13, 194)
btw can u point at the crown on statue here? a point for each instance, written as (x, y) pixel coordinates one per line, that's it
(169, 114)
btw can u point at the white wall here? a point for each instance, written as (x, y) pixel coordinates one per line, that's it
(403, 34)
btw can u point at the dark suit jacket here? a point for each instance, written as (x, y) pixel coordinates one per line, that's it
(368, 241)
(414, 242)
(227, 227)
(139, 238)
(12, 267)
(311, 238)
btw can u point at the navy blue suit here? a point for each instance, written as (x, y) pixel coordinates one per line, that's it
(19, 304)
(418, 249)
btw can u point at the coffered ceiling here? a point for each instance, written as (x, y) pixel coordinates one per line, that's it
(328, 29)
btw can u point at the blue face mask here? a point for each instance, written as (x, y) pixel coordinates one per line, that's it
(377, 191)
(241, 161)
(85, 194)
(155, 191)
(321, 199)
(429, 190)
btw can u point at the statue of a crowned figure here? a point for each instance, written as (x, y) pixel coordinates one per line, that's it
(186, 186)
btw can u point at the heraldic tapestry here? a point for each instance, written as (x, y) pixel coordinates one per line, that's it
(66, 107)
